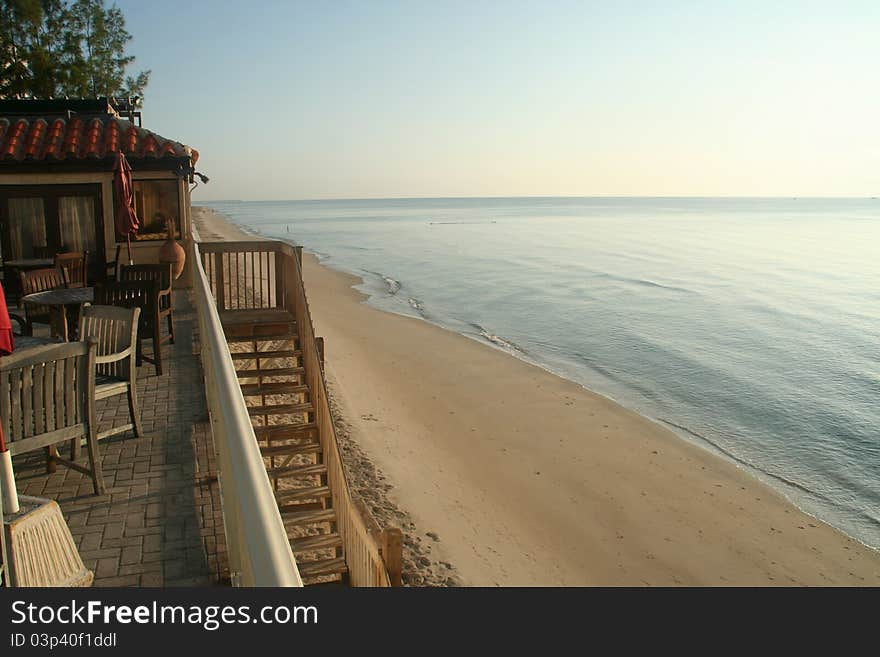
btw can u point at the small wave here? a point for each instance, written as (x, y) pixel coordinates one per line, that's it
(854, 511)
(497, 340)
(734, 457)
(392, 285)
(460, 223)
(642, 281)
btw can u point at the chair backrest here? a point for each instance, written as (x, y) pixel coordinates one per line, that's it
(75, 268)
(40, 280)
(161, 273)
(114, 330)
(131, 294)
(45, 394)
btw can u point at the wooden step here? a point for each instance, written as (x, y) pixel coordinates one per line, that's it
(310, 493)
(324, 567)
(274, 353)
(297, 470)
(270, 371)
(236, 335)
(319, 542)
(296, 518)
(281, 409)
(274, 388)
(285, 450)
(249, 319)
(299, 430)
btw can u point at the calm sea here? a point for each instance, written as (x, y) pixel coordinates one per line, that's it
(751, 326)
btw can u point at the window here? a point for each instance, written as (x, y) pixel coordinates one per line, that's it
(155, 201)
(38, 221)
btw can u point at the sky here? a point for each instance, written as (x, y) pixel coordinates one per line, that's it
(311, 100)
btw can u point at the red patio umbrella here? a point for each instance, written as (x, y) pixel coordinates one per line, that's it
(126, 218)
(7, 478)
(6, 342)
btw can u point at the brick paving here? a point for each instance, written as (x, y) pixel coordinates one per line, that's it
(160, 522)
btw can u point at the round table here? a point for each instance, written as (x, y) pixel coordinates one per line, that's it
(60, 300)
(29, 263)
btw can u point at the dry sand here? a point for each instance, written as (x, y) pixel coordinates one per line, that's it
(515, 476)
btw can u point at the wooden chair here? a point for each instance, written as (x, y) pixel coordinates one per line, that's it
(115, 331)
(40, 280)
(75, 267)
(161, 273)
(46, 398)
(143, 295)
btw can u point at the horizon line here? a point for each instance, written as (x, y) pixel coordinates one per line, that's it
(527, 196)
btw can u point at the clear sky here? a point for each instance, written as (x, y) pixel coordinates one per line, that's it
(288, 100)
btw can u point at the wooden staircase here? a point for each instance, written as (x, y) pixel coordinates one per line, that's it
(261, 303)
(269, 365)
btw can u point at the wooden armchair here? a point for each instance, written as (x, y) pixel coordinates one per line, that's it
(143, 295)
(75, 267)
(40, 280)
(115, 331)
(162, 274)
(46, 398)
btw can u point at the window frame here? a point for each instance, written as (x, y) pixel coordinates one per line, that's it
(51, 193)
(162, 235)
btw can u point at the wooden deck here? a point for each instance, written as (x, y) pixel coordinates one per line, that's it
(160, 523)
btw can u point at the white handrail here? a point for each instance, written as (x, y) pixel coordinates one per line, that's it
(257, 543)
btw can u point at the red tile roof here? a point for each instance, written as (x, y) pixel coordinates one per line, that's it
(52, 139)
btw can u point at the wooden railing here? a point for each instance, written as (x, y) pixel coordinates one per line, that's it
(259, 551)
(246, 275)
(268, 274)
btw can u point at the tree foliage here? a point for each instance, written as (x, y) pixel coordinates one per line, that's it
(65, 48)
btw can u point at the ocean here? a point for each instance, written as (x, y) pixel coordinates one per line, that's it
(749, 326)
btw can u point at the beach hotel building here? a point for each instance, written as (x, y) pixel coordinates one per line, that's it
(229, 469)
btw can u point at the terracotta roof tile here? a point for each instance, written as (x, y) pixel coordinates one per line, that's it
(36, 139)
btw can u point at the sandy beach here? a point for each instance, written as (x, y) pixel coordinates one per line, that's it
(503, 474)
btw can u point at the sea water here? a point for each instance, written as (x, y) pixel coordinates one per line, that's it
(751, 326)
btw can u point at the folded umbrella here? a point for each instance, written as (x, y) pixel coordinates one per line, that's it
(126, 219)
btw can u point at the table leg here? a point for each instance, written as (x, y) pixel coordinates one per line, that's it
(59, 322)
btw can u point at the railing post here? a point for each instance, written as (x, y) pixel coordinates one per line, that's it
(392, 554)
(220, 281)
(319, 342)
(280, 281)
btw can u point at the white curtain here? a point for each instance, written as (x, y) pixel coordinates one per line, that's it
(76, 215)
(27, 227)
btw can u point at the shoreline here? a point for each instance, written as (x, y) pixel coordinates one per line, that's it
(564, 486)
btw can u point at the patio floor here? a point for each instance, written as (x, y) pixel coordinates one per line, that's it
(160, 523)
